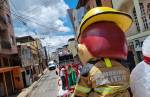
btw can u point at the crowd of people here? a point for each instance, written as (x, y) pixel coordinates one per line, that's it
(69, 73)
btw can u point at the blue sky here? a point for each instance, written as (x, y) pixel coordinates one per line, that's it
(71, 3)
(45, 19)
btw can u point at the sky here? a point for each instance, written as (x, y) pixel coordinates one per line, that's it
(44, 19)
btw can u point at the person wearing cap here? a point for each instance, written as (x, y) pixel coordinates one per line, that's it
(101, 41)
(140, 76)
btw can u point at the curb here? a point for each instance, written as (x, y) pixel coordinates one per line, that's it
(27, 91)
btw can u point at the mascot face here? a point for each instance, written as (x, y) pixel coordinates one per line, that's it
(83, 53)
(102, 39)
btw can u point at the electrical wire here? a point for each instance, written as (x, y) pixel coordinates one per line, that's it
(26, 18)
(23, 18)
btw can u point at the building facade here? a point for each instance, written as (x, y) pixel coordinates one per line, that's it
(30, 56)
(140, 12)
(7, 48)
(7, 37)
(72, 46)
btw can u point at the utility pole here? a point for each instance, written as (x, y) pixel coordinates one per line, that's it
(46, 55)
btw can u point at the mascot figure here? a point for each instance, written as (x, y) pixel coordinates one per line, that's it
(101, 46)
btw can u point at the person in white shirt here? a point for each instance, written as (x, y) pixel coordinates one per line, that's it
(140, 76)
(62, 75)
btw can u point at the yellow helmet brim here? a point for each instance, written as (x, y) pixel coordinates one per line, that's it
(123, 20)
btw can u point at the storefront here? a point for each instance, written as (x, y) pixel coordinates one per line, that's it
(6, 81)
(136, 46)
(10, 80)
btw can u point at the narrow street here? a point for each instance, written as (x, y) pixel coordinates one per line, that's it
(47, 87)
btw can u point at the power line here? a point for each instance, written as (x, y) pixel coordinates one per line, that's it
(26, 18)
(19, 12)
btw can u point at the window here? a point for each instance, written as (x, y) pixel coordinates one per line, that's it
(8, 18)
(136, 20)
(3, 19)
(148, 13)
(139, 56)
(98, 2)
(148, 9)
(144, 17)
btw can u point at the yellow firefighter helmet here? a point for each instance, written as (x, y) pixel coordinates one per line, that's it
(99, 14)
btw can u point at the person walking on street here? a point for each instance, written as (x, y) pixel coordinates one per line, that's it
(62, 75)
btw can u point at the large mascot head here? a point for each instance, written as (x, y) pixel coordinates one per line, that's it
(102, 34)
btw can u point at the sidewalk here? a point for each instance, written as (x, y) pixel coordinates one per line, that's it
(27, 91)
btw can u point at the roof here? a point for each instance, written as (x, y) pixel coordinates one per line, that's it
(81, 3)
(25, 39)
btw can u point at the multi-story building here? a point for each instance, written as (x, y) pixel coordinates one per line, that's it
(25, 58)
(140, 12)
(72, 46)
(7, 48)
(54, 56)
(33, 44)
(7, 36)
(31, 58)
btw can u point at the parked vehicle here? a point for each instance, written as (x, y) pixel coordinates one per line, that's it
(52, 65)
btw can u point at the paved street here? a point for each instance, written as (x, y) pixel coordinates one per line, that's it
(47, 87)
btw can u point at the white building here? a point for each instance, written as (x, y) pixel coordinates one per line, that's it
(140, 12)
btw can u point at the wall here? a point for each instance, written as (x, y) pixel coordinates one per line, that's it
(26, 56)
(107, 3)
(72, 48)
(137, 33)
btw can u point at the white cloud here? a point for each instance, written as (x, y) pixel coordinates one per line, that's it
(54, 42)
(64, 29)
(22, 32)
(47, 13)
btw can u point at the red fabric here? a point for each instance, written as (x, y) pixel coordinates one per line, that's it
(105, 39)
(66, 78)
(147, 59)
